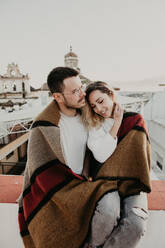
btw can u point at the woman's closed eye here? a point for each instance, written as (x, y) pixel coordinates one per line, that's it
(100, 102)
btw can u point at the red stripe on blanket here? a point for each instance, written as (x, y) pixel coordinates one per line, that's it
(44, 182)
(129, 123)
(22, 223)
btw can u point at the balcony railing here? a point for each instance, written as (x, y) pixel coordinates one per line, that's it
(12, 168)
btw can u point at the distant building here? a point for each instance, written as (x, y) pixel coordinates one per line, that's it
(14, 84)
(70, 60)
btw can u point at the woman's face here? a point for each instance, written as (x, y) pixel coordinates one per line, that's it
(101, 103)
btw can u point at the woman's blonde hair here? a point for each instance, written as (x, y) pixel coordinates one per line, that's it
(89, 117)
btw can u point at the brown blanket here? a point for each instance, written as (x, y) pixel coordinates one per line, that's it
(57, 205)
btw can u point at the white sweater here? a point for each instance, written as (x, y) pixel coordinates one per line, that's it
(73, 141)
(100, 142)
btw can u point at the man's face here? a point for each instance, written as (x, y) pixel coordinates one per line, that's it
(73, 93)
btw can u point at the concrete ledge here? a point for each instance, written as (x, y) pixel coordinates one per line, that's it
(156, 199)
(11, 187)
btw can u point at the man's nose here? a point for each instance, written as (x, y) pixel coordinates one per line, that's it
(82, 93)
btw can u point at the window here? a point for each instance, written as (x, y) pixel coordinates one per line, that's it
(159, 161)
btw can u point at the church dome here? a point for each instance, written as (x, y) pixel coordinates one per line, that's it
(70, 54)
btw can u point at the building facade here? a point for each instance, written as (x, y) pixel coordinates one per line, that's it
(14, 84)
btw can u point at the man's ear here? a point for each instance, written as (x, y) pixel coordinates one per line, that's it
(58, 97)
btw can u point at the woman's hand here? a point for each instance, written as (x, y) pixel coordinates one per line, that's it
(118, 114)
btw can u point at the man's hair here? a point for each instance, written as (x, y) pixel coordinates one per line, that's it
(56, 77)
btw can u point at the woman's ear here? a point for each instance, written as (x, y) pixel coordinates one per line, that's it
(58, 97)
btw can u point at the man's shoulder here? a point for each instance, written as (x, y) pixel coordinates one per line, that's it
(50, 114)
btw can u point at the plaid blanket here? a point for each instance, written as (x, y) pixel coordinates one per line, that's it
(56, 205)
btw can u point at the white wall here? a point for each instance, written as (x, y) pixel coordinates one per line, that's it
(154, 109)
(158, 105)
(9, 230)
(154, 113)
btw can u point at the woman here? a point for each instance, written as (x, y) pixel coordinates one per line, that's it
(102, 115)
(116, 217)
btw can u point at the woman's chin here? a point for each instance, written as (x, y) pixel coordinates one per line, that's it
(105, 115)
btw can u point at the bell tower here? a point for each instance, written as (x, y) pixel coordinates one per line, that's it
(71, 60)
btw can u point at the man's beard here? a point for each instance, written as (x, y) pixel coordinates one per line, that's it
(73, 106)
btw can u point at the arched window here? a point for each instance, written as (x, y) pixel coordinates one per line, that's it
(23, 87)
(14, 87)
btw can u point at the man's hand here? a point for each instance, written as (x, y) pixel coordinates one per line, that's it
(89, 179)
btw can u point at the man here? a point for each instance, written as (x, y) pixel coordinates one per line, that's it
(57, 203)
(67, 90)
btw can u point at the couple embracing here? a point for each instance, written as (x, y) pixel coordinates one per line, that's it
(87, 173)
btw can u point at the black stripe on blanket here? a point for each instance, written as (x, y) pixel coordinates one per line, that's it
(42, 124)
(47, 198)
(24, 233)
(37, 172)
(138, 128)
(122, 179)
(128, 114)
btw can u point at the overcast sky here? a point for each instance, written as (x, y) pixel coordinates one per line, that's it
(114, 39)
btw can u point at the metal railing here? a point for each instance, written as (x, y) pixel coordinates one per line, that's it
(15, 126)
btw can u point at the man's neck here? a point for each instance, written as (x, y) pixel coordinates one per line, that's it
(67, 111)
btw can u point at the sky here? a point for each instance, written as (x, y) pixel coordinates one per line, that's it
(115, 40)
